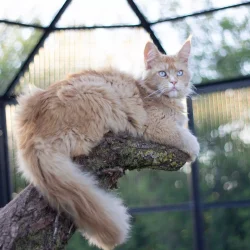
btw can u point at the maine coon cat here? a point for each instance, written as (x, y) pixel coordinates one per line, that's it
(71, 117)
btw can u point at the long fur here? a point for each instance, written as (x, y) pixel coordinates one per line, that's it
(72, 116)
(69, 120)
(101, 215)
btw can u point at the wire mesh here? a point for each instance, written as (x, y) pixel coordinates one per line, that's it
(18, 183)
(70, 51)
(67, 52)
(221, 118)
(222, 121)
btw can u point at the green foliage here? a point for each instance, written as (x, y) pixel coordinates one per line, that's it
(15, 45)
(224, 160)
(221, 50)
(156, 231)
(220, 44)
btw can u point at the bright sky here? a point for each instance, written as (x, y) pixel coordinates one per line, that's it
(88, 12)
(108, 12)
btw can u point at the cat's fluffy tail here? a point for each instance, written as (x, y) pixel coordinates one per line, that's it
(101, 216)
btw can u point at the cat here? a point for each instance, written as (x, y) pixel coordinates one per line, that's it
(71, 117)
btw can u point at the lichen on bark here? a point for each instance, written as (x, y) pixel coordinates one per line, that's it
(28, 222)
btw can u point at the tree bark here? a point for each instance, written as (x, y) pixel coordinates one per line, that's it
(28, 222)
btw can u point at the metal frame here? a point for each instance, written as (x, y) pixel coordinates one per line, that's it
(35, 50)
(5, 184)
(172, 19)
(145, 24)
(195, 205)
(241, 82)
(196, 197)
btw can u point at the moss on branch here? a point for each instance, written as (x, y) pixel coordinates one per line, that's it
(28, 222)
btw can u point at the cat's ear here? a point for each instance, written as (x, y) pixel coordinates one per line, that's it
(151, 55)
(184, 52)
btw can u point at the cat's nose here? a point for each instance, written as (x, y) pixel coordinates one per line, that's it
(173, 82)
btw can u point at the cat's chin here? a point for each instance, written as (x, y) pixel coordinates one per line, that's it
(173, 94)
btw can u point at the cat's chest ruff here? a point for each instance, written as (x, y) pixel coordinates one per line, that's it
(175, 114)
(181, 119)
(176, 110)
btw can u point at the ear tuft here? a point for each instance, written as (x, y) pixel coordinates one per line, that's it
(185, 50)
(151, 54)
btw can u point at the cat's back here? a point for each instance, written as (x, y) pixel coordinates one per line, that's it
(112, 91)
(109, 100)
(119, 83)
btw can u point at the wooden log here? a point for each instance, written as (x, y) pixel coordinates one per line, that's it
(28, 222)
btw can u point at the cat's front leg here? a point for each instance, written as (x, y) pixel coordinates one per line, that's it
(166, 131)
(190, 143)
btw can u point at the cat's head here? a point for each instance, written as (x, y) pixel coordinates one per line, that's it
(167, 75)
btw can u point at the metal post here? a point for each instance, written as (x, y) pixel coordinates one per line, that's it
(145, 24)
(197, 209)
(5, 185)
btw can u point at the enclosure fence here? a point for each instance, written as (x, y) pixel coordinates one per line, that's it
(218, 112)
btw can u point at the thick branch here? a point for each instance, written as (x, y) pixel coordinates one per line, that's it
(28, 222)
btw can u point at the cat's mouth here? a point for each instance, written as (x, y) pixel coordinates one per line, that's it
(173, 92)
(173, 89)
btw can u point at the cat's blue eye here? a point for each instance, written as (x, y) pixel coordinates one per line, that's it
(162, 73)
(180, 73)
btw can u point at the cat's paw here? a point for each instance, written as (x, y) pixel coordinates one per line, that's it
(192, 147)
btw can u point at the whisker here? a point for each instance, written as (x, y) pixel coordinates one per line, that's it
(162, 91)
(193, 92)
(152, 93)
(155, 92)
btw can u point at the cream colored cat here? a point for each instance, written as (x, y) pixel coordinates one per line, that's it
(72, 116)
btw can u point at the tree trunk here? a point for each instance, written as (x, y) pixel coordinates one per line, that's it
(28, 222)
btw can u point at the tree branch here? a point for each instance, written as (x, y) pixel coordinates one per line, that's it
(28, 222)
